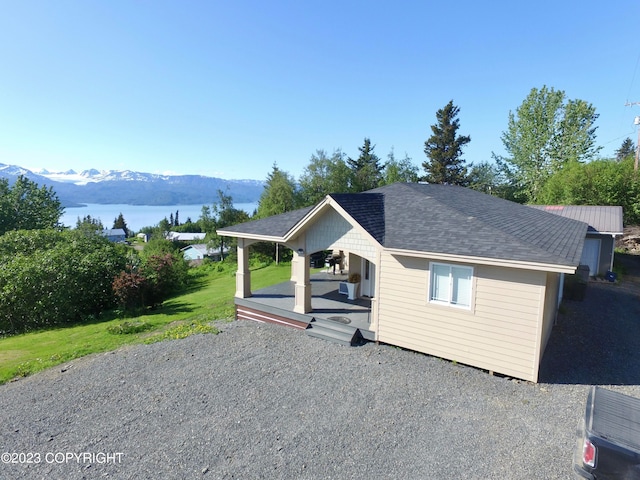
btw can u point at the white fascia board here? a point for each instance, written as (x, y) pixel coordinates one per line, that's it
(250, 236)
(598, 232)
(545, 267)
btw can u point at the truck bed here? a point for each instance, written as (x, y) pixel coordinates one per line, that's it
(608, 440)
(615, 417)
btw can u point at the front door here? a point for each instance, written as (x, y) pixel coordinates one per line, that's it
(367, 282)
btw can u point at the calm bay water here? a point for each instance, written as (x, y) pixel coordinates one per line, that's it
(138, 216)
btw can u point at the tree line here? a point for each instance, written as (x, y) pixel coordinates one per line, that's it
(551, 157)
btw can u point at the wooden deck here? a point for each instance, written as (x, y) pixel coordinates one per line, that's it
(274, 304)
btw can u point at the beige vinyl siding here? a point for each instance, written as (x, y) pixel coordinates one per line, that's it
(550, 310)
(499, 333)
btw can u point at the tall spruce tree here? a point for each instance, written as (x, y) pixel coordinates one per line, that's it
(444, 149)
(627, 149)
(366, 171)
(120, 223)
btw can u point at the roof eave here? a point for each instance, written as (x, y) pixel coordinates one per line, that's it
(613, 234)
(497, 262)
(250, 236)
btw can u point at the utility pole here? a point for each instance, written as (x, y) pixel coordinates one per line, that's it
(636, 122)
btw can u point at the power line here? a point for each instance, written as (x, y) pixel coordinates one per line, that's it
(633, 78)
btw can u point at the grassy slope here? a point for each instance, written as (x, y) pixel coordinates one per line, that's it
(209, 298)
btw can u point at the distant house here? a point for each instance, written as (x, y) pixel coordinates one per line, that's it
(114, 234)
(185, 236)
(143, 236)
(605, 223)
(444, 270)
(197, 252)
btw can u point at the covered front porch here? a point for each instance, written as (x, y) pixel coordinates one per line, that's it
(275, 304)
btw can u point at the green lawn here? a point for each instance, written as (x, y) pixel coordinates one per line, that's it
(209, 298)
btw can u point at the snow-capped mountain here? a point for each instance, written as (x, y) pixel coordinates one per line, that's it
(136, 188)
(13, 170)
(93, 175)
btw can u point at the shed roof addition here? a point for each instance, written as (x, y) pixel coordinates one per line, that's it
(601, 219)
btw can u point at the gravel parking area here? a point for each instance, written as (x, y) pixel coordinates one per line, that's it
(263, 401)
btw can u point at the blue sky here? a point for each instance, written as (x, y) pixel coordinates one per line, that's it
(226, 89)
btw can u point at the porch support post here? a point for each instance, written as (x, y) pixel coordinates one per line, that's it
(303, 282)
(243, 275)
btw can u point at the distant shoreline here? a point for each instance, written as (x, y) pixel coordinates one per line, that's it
(139, 216)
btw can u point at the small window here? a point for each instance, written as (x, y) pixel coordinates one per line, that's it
(451, 285)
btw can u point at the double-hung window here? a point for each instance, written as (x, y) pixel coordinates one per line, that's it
(451, 285)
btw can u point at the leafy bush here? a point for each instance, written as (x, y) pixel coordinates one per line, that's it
(53, 278)
(154, 275)
(130, 290)
(600, 182)
(166, 273)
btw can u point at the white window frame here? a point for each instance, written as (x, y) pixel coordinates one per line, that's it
(449, 302)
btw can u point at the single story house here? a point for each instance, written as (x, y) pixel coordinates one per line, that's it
(605, 223)
(114, 234)
(185, 236)
(445, 270)
(199, 251)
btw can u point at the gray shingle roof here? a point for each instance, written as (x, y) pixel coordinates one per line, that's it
(368, 209)
(449, 220)
(601, 219)
(276, 226)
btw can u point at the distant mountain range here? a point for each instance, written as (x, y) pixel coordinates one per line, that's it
(136, 188)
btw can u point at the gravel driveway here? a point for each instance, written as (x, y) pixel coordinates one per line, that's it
(263, 401)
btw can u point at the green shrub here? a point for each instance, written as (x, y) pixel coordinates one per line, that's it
(51, 278)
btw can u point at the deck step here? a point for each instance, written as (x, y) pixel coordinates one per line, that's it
(334, 332)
